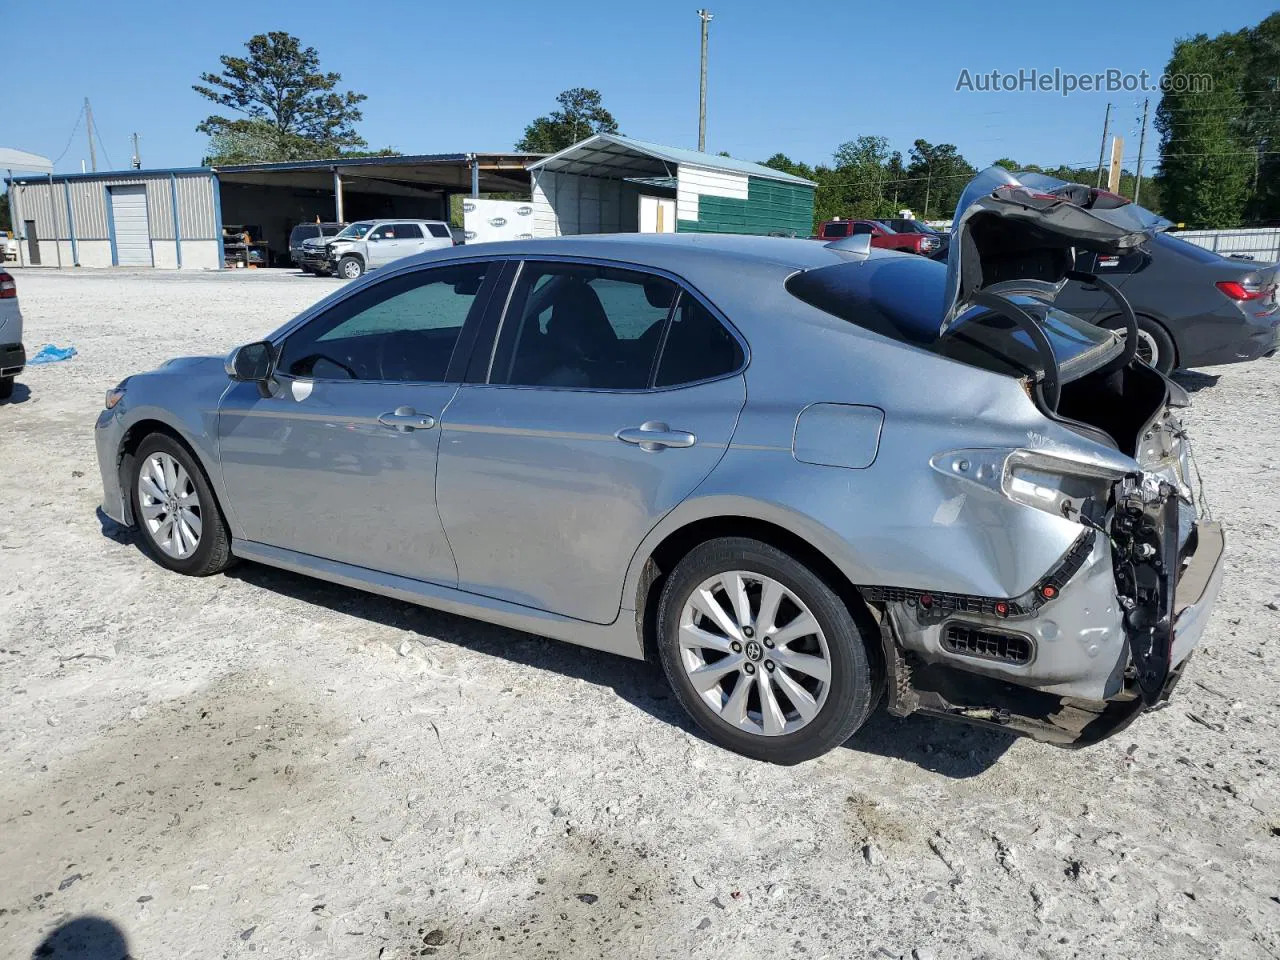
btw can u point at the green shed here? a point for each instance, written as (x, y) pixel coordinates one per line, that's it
(612, 184)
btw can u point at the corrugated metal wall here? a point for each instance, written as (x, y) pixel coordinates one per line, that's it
(197, 216)
(1261, 244)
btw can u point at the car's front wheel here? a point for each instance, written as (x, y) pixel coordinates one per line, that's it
(762, 652)
(181, 525)
(349, 267)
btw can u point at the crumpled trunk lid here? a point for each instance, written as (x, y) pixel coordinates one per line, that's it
(1024, 229)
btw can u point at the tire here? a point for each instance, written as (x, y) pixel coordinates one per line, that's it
(211, 551)
(6, 388)
(350, 268)
(1155, 346)
(837, 707)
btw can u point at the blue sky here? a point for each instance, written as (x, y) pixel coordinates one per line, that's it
(794, 77)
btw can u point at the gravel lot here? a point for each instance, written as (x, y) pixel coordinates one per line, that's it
(256, 763)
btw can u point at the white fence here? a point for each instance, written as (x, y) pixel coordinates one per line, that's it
(1261, 244)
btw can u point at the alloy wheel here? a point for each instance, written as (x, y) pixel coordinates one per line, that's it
(170, 505)
(754, 653)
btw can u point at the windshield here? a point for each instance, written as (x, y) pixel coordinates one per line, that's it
(356, 231)
(910, 226)
(304, 232)
(902, 298)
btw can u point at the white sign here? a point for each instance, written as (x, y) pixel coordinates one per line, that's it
(488, 220)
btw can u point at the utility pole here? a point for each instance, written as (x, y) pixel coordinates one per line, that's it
(1142, 140)
(1102, 150)
(137, 157)
(705, 17)
(88, 125)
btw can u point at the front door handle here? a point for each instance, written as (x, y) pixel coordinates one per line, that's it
(653, 436)
(406, 419)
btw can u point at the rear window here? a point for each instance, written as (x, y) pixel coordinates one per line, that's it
(438, 230)
(904, 299)
(1187, 249)
(303, 231)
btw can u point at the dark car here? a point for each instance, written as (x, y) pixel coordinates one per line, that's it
(309, 231)
(1194, 307)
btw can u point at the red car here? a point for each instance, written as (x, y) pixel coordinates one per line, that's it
(924, 244)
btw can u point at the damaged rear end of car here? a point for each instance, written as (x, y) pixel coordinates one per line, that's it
(1105, 632)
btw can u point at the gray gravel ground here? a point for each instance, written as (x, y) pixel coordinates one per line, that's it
(258, 763)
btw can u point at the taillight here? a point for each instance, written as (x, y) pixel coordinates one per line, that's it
(8, 289)
(1237, 290)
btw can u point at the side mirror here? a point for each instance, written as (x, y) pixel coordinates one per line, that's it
(251, 363)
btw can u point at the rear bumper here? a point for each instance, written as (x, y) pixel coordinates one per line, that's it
(1078, 688)
(1197, 590)
(1252, 343)
(13, 357)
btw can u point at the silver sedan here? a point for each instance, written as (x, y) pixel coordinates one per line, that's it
(802, 476)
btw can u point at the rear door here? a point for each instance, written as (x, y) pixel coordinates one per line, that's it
(338, 459)
(611, 393)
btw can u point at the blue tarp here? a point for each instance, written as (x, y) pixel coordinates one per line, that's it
(51, 354)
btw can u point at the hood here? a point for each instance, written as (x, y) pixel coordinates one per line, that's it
(192, 366)
(1022, 230)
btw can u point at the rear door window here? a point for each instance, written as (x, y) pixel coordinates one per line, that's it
(407, 231)
(583, 326)
(833, 231)
(329, 231)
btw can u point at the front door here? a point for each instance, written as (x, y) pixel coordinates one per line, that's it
(584, 436)
(339, 459)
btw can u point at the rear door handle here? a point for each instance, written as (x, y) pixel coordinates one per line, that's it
(406, 419)
(653, 436)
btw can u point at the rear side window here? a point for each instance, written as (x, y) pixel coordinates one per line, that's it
(406, 231)
(438, 230)
(698, 347)
(584, 326)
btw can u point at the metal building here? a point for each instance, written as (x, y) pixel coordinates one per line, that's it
(176, 217)
(612, 184)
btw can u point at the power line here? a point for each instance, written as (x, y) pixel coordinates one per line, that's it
(79, 117)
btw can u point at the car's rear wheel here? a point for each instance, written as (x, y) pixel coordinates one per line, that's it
(1155, 346)
(177, 515)
(762, 652)
(349, 267)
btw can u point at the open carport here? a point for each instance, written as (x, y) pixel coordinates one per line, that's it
(181, 217)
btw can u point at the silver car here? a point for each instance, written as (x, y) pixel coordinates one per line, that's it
(802, 476)
(368, 244)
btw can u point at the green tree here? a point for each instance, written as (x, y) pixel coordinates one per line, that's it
(1205, 169)
(581, 114)
(1261, 122)
(937, 175)
(291, 109)
(854, 185)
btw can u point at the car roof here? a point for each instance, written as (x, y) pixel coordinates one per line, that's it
(672, 251)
